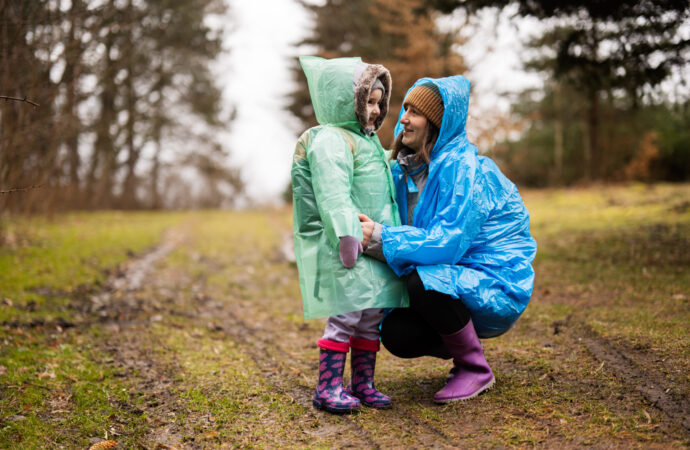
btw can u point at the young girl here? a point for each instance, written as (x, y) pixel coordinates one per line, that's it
(340, 169)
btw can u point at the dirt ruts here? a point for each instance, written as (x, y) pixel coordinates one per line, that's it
(290, 373)
(621, 359)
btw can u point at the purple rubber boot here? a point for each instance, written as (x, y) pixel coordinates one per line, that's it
(330, 394)
(363, 364)
(471, 374)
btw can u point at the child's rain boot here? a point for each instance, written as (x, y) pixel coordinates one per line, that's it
(363, 362)
(330, 393)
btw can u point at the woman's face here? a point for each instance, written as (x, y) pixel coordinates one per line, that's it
(414, 126)
(373, 108)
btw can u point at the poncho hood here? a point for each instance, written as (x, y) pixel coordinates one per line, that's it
(339, 90)
(455, 92)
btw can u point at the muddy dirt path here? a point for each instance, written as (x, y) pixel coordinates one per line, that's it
(257, 309)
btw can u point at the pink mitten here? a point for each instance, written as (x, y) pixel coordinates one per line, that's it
(349, 249)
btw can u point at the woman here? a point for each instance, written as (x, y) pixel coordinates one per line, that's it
(465, 247)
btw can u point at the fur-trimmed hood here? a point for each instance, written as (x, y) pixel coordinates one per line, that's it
(339, 89)
(365, 76)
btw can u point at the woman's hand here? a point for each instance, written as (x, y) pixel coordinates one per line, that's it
(367, 228)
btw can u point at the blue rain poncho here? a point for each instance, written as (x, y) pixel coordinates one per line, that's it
(469, 236)
(339, 171)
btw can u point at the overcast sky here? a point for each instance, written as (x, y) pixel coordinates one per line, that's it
(256, 76)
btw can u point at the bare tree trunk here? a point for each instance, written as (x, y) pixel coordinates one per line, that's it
(105, 156)
(130, 184)
(71, 122)
(158, 122)
(129, 188)
(21, 150)
(155, 174)
(593, 129)
(558, 136)
(586, 152)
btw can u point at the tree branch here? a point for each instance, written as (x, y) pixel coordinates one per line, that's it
(10, 191)
(16, 99)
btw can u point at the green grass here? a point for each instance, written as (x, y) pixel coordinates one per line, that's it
(54, 388)
(613, 258)
(56, 256)
(619, 258)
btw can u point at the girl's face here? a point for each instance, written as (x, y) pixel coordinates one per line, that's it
(414, 126)
(373, 108)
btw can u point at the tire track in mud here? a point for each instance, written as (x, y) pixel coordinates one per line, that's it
(286, 371)
(263, 350)
(649, 382)
(124, 311)
(116, 300)
(633, 367)
(125, 315)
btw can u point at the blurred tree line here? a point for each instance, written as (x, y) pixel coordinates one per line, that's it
(400, 34)
(602, 115)
(127, 105)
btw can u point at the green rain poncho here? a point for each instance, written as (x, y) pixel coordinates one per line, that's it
(337, 172)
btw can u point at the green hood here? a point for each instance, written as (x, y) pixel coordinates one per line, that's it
(337, 97)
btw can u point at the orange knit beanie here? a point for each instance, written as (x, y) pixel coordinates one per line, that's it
(427, 99)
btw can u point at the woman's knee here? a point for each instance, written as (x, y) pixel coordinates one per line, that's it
(392, 338)
(443, 312)
(405, 334)
(415, 286)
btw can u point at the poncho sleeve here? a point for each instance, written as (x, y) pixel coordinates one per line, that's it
(332, 164)
(455, 217)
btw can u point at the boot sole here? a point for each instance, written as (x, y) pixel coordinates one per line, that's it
(488, 386)
(367, 404)
(372, 405)
(318, 405)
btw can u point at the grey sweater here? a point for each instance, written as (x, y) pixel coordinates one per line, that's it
(418, 173)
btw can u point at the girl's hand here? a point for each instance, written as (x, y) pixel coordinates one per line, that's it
(367, 228)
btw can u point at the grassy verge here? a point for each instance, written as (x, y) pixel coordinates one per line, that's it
(617, 258)
(56, 389)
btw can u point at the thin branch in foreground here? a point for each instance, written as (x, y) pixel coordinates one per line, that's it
(17, 99)
(10, 191)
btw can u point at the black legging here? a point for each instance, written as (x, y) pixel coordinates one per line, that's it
(416, 331)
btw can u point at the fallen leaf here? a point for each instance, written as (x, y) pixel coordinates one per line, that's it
(44, 375)
(211, 434)
(3, 370)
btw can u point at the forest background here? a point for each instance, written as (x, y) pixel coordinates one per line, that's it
(178, 329)
(113, 103)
